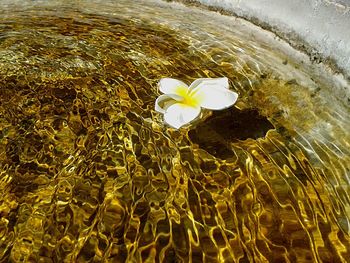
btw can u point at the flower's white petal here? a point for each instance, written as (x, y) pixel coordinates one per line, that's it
(215, 98)
(212, 82)
(173, 87)
(163, 102)
(180, 114)
(176, 97)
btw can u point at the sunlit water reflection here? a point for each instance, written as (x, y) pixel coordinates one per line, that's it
(89, 173)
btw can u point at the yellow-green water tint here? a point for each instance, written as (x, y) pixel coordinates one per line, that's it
(89, 173)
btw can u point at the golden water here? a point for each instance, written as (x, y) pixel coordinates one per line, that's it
(89, 173)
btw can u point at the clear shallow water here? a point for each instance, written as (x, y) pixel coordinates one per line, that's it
(89, 173)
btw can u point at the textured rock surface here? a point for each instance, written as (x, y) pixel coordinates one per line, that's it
(323, 24)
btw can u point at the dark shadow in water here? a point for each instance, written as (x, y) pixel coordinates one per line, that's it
(228, 126)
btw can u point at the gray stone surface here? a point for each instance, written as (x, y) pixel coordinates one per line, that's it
(323, 25)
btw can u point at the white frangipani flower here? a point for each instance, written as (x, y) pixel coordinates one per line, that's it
(181, 104)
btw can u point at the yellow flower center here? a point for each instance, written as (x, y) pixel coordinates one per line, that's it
(187, 98)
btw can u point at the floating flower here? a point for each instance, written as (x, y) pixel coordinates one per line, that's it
(181, 104)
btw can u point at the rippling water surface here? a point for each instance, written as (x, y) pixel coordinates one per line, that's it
(89, 173)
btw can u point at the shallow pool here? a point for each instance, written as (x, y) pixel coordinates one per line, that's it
(90, 173)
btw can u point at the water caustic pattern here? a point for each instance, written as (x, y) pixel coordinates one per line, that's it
(89, 173)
